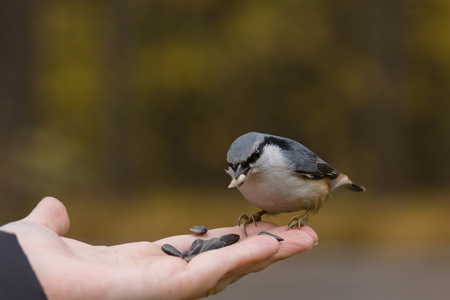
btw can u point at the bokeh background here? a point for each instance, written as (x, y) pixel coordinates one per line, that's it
(125, 110)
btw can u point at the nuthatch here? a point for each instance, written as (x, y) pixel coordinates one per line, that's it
(279, 175)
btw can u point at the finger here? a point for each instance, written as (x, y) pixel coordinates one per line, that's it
(220, 267)
(262, 256)
(295, 241)
(282, 230)
(311, 232)
(52, 214)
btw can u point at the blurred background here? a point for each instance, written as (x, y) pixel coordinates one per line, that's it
(125, 110)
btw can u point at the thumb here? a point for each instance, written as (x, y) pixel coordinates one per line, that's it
(51, 213)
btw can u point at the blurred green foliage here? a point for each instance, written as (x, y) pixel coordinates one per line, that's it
(119, 98)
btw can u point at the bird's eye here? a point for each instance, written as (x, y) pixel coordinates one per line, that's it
(254, 156)
(244, 165)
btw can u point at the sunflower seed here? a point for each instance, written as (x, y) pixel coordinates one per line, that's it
(170, 250)
(199, 229)
(280, 239)
(229, 239)
(185, 254)
(196, 246)
(212, 244)
(189, 258)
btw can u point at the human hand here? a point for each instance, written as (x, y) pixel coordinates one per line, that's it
(70, 269)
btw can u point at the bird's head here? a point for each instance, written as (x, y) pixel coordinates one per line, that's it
(243, 156)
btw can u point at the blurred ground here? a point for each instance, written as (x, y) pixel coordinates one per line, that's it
(352, 271)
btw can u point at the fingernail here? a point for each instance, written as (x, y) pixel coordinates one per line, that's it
(313, 245)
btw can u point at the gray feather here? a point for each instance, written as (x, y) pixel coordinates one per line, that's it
(244, 146)
(307, 163)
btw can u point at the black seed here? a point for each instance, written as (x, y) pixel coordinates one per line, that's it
(196, 246)
(199, 229)
(280, 239)
(185, 254)
(212, 244)
(188, 258)
(170, 250)
(229, 239)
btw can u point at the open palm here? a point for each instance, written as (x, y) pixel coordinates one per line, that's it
(70, 269)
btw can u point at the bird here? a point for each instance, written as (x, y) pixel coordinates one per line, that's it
(280, 175)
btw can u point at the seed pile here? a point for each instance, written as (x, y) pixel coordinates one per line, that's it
(199, 246)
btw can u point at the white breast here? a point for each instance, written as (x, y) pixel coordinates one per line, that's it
(272, 187)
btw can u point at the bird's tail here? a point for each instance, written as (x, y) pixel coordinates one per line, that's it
(343, 181)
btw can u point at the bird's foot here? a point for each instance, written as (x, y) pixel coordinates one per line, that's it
(298, 221)
(256, 217)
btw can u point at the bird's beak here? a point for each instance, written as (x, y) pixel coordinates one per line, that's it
(237, 181)
(239, 177)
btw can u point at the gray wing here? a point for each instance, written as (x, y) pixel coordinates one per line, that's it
(306, 163)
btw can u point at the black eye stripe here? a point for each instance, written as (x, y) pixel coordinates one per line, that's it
(254, 157)
(245, 164)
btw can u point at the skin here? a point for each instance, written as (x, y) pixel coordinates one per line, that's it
(70, 269)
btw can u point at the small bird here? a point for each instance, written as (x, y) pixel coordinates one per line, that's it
(279, 175)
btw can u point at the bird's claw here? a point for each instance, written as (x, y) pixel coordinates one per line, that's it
(298, 221)
(256, 217)
(247, 221)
